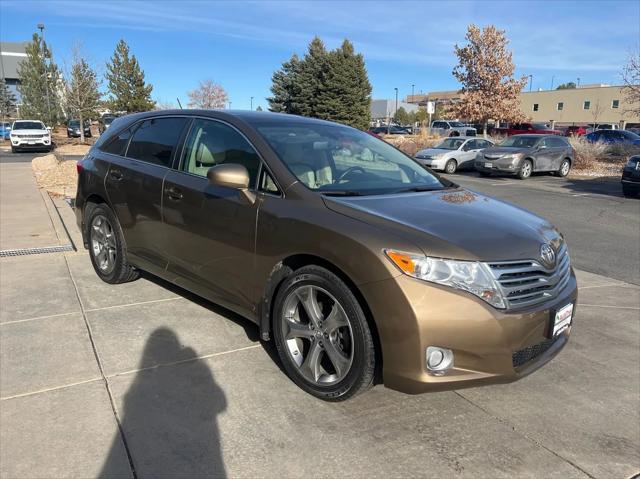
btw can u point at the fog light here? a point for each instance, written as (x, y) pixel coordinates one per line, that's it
(439, 360)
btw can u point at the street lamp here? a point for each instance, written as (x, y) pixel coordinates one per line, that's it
(229, 104)
(412, 90)
(251, 103)
(396, 114)
(553, 77)
(530, 81)
(578, 82)
(44, 63)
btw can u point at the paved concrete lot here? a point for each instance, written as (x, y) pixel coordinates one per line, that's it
(144, 380)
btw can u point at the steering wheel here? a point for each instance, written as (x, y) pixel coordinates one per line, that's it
(349, 171)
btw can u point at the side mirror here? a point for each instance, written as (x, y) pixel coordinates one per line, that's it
(231, 175)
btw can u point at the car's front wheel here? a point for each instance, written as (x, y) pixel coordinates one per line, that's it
(107, 247)
(451, 166)
(525, 170)
(322, 335)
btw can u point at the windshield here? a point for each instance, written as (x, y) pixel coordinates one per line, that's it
(520, 142)
(28, 125)
(74, 123)
(451, 144)
(540, 126)
(339, 160)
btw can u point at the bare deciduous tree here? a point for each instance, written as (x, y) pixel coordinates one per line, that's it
(208, 95)
(485, 70)
(631, 82)
(81, 94)
(596, 111)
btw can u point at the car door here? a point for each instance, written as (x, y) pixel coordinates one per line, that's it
(139, 159)
(544, 155)
(210, 230)
(467, 153)
(558, 152)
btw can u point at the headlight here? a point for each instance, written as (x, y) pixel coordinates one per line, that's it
(511, 156)
(471, 276)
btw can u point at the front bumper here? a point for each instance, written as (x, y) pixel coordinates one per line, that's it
(500, 165)
(434, 164)
(35, 144)
(490, 346)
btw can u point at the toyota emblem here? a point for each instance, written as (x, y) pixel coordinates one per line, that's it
(548, 256)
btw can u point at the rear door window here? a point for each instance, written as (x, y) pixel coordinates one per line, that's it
(156, 139)
(118, 144)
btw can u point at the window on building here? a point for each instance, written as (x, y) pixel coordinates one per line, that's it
(560, 106)
(615, 104)
(536, 107)
(586, 105)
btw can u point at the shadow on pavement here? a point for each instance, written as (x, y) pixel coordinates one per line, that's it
(602, 185)
(169, 416)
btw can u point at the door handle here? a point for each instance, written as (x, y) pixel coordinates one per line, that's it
(173, 193)
(115, 175)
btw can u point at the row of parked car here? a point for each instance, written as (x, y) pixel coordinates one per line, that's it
(519, 155)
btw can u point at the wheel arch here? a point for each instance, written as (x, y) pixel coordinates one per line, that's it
(287, 266)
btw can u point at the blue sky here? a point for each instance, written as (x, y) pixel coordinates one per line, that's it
(240, 44)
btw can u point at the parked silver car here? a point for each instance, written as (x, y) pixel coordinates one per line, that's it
(524, 154)
(453, 153)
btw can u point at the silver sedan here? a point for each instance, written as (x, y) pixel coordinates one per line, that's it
(453, 153)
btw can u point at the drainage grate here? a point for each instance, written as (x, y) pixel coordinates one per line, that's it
(29, 251)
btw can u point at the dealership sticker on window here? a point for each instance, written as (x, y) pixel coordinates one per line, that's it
(563, 319)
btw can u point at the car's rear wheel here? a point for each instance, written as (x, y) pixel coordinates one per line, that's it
(525, 170)
(107, 247)
(564, 169)
(322, 335)
(451, 166)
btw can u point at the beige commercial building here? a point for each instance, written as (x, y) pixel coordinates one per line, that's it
(585, 105)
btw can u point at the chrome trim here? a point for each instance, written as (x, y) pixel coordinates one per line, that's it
(528, 282)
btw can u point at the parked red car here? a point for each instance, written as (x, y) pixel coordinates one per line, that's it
(526, 128)
(575, 131)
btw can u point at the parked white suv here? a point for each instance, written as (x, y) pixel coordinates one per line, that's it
(452, 128)
(30, 135)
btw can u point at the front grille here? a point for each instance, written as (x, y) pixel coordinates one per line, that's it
(492, 157)
(29, 136)
(527, 282)
(531, 352)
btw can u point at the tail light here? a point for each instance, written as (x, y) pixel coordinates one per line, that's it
(80, 166)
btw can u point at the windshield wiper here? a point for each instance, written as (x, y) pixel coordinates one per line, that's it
(422, 188)
(341, 193)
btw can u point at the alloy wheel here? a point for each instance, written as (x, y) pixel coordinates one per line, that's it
(526, 169)
(317, 334)
(564, 169)
(103, 243)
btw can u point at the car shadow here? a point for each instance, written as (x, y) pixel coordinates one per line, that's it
(602, 185)
(168, 416)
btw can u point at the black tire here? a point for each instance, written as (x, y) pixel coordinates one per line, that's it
(629, 192)
(14, 149)
(360, 375)
(122, 271)
(526, 168)
(454, 133)
(564, 169)
(450, 167)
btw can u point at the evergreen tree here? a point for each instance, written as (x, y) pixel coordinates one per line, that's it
(259, 108)
(285, 88)
(40, 84)
(82, 98)
(332, 85)
(127, 87)
(401, 117)
(7, 101)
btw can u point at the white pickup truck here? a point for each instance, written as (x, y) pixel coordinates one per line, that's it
(30, 135)
(452, 128)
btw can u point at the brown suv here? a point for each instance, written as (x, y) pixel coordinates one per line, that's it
(346, 252)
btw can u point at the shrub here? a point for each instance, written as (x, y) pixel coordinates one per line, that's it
(587, 153)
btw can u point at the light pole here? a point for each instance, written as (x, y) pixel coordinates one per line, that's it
(46, 78)
(229, 104)
(553, 77)
(396, 113)
(412, 90)
(251, 103)
(530, 81)
(578, 82)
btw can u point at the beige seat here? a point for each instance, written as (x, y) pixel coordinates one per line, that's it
(205, 155)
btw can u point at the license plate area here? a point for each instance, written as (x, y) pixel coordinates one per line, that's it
(488, 165)
(561, 320)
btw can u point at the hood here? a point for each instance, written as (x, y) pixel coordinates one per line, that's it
(458, 223)
(500, 151)
(433, 152)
